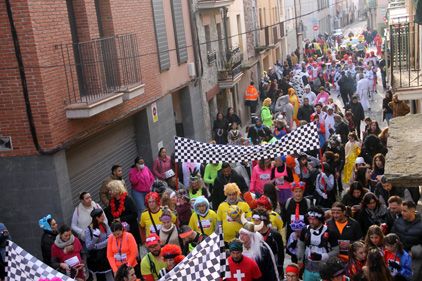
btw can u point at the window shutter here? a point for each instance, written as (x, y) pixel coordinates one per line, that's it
(161, 34)
(179, 31)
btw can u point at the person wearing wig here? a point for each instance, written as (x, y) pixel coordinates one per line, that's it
(196, 186)
(266, 116)
(172, 256)
(255, 248)
(316, 245)
(263, 203)
(203, 220)
(150, 218)
(231, 226)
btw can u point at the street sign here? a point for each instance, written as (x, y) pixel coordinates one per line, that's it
(315, 27)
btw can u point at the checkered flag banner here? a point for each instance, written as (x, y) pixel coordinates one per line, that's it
(22, 266)
(206, 262)
(303, 139)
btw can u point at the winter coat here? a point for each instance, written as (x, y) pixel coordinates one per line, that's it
(266, 116)
(358, 112)
(367, 218)
(47, 240)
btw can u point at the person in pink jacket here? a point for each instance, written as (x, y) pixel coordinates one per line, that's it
(322, 97)
(141, 178)
(161, 165)
(261, 174)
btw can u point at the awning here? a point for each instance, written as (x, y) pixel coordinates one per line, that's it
(404, 159)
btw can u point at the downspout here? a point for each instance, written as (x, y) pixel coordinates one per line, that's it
(24, 84)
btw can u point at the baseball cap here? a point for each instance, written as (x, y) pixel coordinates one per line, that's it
(152, 240)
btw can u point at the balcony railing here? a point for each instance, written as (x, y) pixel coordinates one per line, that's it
(405, 69)
(229, 64)
(213, 4)
(99, 68)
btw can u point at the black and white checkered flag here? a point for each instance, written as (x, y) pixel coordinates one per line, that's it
(303, 139)
(22, 266)
(206, 262)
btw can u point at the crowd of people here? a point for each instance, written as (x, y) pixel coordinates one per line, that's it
(331, 210)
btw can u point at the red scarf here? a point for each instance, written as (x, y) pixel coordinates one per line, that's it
(117, 213)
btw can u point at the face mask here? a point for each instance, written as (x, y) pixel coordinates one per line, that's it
(141, 166)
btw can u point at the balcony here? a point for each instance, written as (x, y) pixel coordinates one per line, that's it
(230, 68)
(405, 69)
(101, 74)
(213, 4)
(268, 38)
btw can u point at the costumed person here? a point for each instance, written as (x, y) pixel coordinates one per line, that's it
(266, 116)
(285, 108)
(121, 247)
(261, 174)
(49, 227)
(187, 169)
(352, 151)
(122, 208)
(172, 256)
(183, 207)
(264, 204)
(322, 97)
(255, 248)
(282, 176)
(320, 127)
(169, 234)
(211, 173)
(229, 211)
(190, 239)
(316, 245)
(294, 100)
(362, 89)
(235, 134)
(294, 211)
(196, 186)
(203, 219)
(96, 235)
(324, 187)
(152, 263)
(150, 218)
(280, 127)
(240, 265)
(271, 236)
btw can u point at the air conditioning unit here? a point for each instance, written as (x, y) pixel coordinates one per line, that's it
(191, 70)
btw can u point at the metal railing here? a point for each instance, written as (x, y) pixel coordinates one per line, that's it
(404, 61)
(229, 63)
(99, 68)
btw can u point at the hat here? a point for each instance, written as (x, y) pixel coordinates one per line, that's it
(317, 213)
(152, 240)
(297, 184)
(264, 201)
(359, 161)
(168, 174)
(170, 251)
(185, 231)
(43, 222)
(307, 87)
(249, 226)
(96, 212)
(236, 245)
(330, 107)
(201, 200)
(194, 174)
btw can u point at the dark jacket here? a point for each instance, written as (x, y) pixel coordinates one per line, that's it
(274, 239)
(343, 130)
(384, 194)
(129, 215)
(217, 192)
(289, 209)
(357, 110)
(257, 134)
(304, 112)
(366, 219)
(47, 240)
(265, 264)
(351, 233)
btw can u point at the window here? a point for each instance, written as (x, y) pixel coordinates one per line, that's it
(161, 34)
(179, 31)
(207, 38)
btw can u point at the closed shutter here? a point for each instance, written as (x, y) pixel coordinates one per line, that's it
(179, 31)
(161, 34)
(90, 162)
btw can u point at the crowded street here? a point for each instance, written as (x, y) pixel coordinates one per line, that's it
(290, 183)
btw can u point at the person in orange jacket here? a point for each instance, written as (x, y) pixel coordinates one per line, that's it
(121, 247)
(251, 97)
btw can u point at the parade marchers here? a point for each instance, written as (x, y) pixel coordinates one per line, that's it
(331, 210)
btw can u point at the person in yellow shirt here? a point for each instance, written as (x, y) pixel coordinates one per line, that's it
(151, 263)
(203, 220)
(264, 204)
(232, 224)
(150, 218)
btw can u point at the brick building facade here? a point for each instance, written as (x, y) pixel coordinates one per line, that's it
(77, 82)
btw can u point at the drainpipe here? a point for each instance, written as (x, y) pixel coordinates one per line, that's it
(24, 84)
